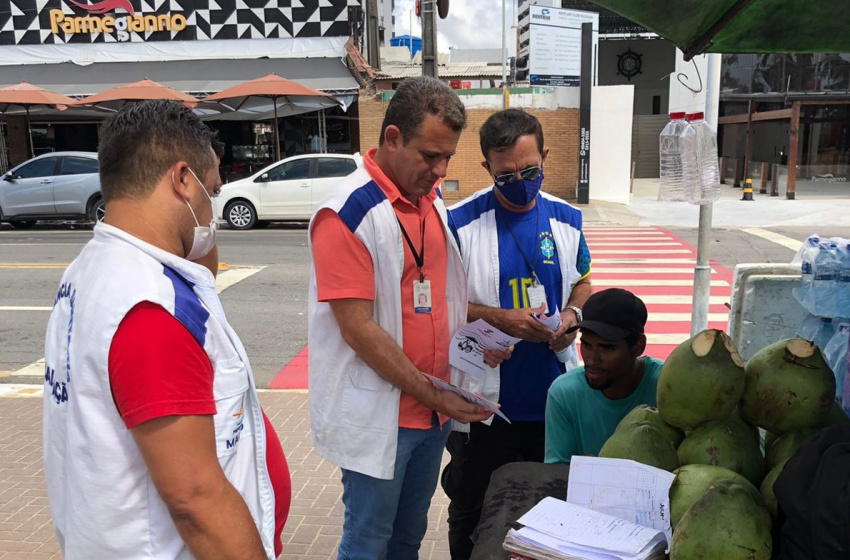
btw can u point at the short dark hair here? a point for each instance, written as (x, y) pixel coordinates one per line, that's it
(142, 140)
(502, 129)
(415, 99)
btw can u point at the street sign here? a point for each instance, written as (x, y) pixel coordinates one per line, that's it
(555, 45)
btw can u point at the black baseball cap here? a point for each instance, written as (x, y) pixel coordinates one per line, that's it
(613, 314)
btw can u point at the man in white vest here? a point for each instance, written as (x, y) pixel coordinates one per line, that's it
(155, 446)
(379, 241)
(527, 264)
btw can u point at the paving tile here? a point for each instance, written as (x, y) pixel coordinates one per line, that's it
(312, 531)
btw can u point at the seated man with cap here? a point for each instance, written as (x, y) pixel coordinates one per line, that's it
(585, 404)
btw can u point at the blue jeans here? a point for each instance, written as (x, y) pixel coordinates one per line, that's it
(387, 519)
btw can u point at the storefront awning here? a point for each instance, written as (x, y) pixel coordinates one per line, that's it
(192, 76)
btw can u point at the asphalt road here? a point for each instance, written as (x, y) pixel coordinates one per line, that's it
(268, 309)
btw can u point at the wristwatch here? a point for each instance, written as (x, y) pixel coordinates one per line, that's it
(577, 311)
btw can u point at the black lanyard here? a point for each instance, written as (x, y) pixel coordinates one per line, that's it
(418, 258)
(519, 247)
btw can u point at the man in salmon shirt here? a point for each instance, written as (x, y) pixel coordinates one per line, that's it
(155, 445)
(380, 241)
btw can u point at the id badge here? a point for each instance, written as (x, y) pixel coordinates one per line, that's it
(422, 296)
(537, 297)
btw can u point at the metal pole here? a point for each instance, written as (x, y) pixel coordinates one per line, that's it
(702, 270)
(429, 37)
(373, 47)
(504, 50)
(276, 133)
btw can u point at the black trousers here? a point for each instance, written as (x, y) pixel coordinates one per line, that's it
(474, 457)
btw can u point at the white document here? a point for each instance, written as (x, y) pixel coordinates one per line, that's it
(577, 528)
(622, 488)
(466, 352)
(467, 396)
(552, 322)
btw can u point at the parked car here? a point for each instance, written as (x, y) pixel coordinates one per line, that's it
(288, 190)
(54, 186)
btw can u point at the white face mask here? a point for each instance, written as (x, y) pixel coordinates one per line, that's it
(204, 239)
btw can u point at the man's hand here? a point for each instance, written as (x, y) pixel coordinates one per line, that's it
(560, 338)
(456, 408)
(494, 358)
(522, 323)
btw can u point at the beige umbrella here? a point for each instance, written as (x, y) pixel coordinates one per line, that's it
(27, 95)
(115, 98)
(291, 97)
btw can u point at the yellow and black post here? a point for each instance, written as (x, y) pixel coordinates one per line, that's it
(748, 189)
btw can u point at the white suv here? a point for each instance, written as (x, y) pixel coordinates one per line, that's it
(289, 190)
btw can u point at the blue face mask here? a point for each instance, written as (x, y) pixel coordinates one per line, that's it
(522, 191)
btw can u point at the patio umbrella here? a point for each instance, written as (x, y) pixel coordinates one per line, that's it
(287, 97)
(27, 95)
(736, 26)
(115, 98)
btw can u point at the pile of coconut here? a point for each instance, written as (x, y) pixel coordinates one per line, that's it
(705, 430)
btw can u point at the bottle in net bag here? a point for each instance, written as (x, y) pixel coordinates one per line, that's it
(673, 187)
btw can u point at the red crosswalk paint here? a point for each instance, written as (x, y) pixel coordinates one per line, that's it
(651, 262)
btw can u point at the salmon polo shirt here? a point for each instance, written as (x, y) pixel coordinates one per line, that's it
(344, 270)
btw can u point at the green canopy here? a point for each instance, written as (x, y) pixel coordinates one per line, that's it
(743, 26)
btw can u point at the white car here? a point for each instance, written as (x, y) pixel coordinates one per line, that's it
(289, 190)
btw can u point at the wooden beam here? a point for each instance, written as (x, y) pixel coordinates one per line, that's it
(758, 116)
(763, 185)
(793, 137)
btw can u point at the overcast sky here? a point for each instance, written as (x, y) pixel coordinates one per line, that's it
(472, 24)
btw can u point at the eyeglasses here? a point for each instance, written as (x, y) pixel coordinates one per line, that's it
(529, 173)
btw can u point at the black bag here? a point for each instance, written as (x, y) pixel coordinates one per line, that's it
(813, 498)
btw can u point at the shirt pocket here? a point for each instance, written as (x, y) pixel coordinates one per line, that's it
(232, 403)
(365, 378)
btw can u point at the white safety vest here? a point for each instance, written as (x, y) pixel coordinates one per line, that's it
(353, 410)
(475, 222)
(102, 500)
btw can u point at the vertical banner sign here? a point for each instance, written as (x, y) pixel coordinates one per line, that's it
(583, 193)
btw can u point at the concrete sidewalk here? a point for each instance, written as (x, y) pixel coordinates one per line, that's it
(315, 519)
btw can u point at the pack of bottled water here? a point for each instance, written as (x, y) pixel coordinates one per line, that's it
(689, 169)
(825, 276)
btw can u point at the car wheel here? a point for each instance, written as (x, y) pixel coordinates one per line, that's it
(240, 215)
(97, 210)
(22, 224)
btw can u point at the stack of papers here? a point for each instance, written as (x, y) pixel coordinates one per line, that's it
(557, 530)
(616, 509)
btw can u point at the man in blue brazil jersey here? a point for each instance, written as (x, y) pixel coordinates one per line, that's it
(526, 260)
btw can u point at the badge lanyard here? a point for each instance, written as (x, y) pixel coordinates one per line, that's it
(421, 287)
(537, 291)
(528, 263)
(418, 258)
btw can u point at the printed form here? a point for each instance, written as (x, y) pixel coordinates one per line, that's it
(626, 489)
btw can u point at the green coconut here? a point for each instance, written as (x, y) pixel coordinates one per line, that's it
(726, 523)
(789, 386)
(646, 413)
(784, 447)
(736, 418)
(642, 442)
(701, 380)
(766, 489)
(692, 481)
(724, 444)
(769, 439)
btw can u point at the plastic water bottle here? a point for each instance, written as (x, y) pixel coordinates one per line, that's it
(805, 293)
(844, 278)
(709, 170)
(826, 279)
(673, 187)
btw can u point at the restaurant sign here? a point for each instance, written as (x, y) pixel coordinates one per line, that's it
(28, 22)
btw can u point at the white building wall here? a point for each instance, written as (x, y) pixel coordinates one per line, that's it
(610, 147)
